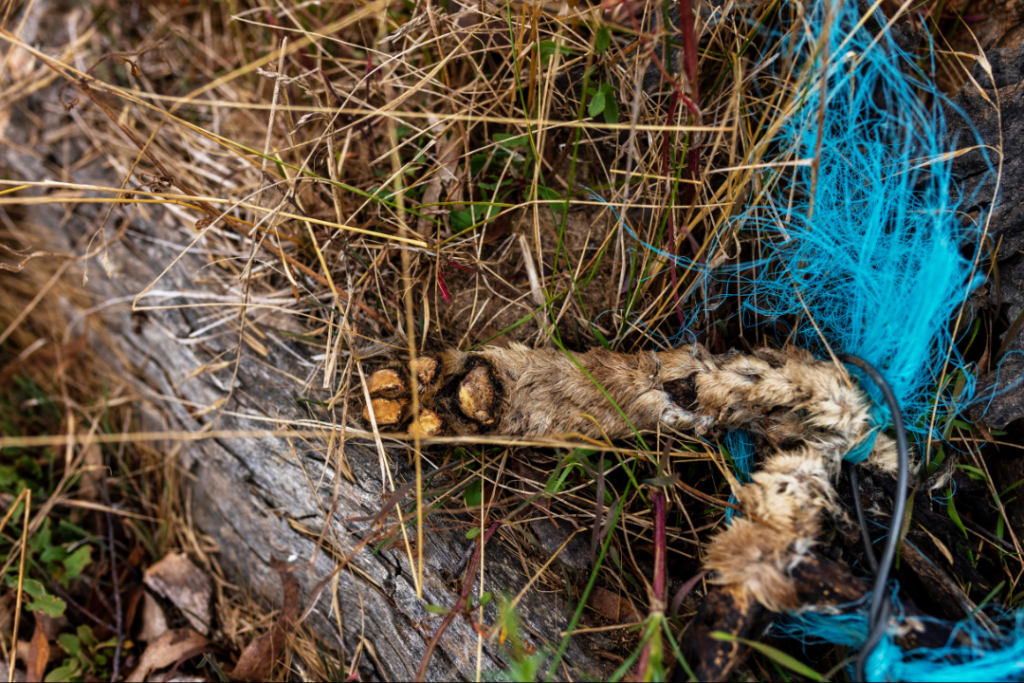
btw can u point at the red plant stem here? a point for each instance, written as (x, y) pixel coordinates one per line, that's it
(660, 546)
(666, 141)
(660, 576)
(686, 27)
(460, 605)
(688, 31)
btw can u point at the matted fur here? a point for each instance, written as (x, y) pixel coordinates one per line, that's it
(808, 413)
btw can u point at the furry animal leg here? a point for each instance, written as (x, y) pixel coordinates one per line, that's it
(808, 412)
(788, 397)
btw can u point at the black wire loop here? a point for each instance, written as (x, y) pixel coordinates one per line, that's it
(878, 614)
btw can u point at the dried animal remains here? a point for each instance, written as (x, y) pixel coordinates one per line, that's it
(808, 414)
(869, 253)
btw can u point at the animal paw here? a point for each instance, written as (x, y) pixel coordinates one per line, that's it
(458, 393)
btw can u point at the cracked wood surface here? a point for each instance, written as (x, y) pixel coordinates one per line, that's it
(257, 497)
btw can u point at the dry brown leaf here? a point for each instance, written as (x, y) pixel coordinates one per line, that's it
(170, 648)
(176, 578)
(38, 655)
(497, 228)
(257, 660)
(613, 607)
(7, 611)
(154, 623)
(52, 626)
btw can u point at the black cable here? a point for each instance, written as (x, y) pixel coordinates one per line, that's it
(878, 614)
(865, 535)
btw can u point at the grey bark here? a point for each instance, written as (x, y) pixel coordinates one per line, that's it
(975, 120)
(252, 496)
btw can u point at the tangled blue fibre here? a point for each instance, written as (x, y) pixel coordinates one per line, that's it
(865, 246)
(989, 650)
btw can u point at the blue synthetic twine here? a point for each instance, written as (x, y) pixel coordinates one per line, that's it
(739, 444)
(875, 261)
(867, 243)
(861, 451)
(880, 261)
(871, 250)
(972, 653)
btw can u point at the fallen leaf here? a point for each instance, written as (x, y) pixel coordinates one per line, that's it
(613, 607)
(38, 654)
(258, 658)
(51, 626)
(154, 623)
(134, 598)
(938, 544)
(7, 611)
(497, 228)
(184, 584)
(170, 648)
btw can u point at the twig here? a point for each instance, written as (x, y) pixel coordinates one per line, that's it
(113, 572)
(460, 604)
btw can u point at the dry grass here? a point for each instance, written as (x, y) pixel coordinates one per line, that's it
(351, 171)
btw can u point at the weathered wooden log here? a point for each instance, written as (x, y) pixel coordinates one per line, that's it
(258, 497)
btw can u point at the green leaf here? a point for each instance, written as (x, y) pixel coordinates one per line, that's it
(603, 40)
(33, 588)
(555, 479)
(48, 605)
(63, 673)
(973, 472)
(491, 186)
(666, 480)
(8, 477)
(596, 103)
(473, 495)
(473, 533)
(77, 561)
(512, 140)
(478, 163)
(777, 656)
(85, 635)
(70, 643)
(435, 609)
(42, 538)
(467, 218)
(558, 202)
(461, 220)
(951, 511)
(611, 110)
(485, 598)
(547, 49)
(54, 553)
(1010, 488)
